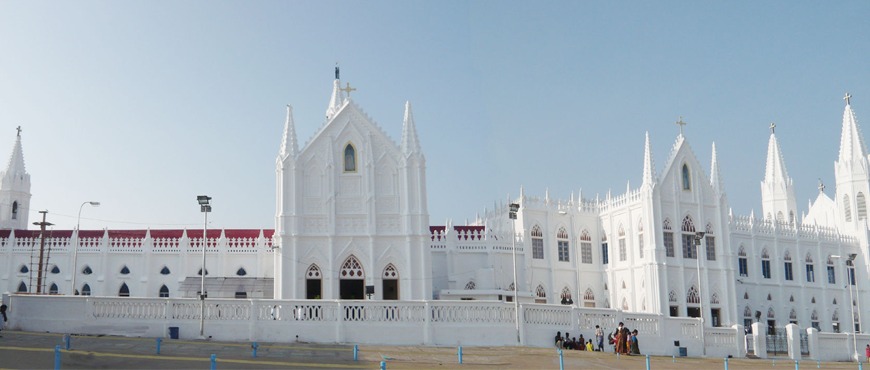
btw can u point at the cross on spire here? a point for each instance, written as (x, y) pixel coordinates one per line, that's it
(348, 89)
(772, 127)
(847, 97)
(681, 124)
(821, 186)
(19, 130)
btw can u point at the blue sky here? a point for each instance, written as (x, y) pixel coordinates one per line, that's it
(144, 105)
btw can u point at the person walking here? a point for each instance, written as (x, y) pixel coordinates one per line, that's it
(599, 337)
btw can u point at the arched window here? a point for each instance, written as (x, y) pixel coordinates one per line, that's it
(668, 236)
(566, 296)
(814, 320)
(241, 272)
(624, 304)
(692, 296)
(810, 268)
(605, 252)
(623, 254)
(745, 295)
(313, 272)
(540, 292)
(86, 289)
(862, 206)
(847, 208)
(164, 271)
(765, 264)
(470, 285)
(351, 269)
(710, 243)
(537, 243)
(747, 312)
(585, 247)
(15, 210)
(349, 158)
(391, 273)
(313, 282)
(770, 313)
(124, 291)
(689, 250)
(52, 289)
(832, 276)
(55, 269)
(714, 299)
(22, 288)
(87, 270)
(562, 244)
(200, 272)
(164, 292)
(640, 239)
(125, 270)
(23, 269)
(672, 297)
(787, 266)
(687, 179)
(742, 263)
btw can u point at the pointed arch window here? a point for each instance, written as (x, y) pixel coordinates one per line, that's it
(814, 320)
(241, 272)
(537, 243)
(835, 321)
(640, 238)
(710, 241)
(55, 269)
(747, 312)
(23, 269)
(199, 273)
(861, 206)
(349, 158)
(164, 292)
(770, 313)
(164, 271)
(313, 282)
(765, 264)
(787, 266)
(562, 244)
(87, 270)
(585, 247)
(589, 298)
(832, 276)
(687, 178)
(810, 269)
(470, 285)
(672, 297)
(391, 273)
(313, 272)
(86, 289)
(668, 236)
(15, 210)
(566, 296)
(125, 270)
(605, 252)
(689, 250)
(847, 208)
(742, 262)
(52, 289)
(624, 304)
(124, 291)
(623, 255)
(540, 292)
(692, 296)
(22, 288)
(352, 269)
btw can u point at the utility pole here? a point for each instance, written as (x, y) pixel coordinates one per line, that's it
(40, 268)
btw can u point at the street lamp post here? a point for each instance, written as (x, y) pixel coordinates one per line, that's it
(514, 208)
(851, 301)
(205, 208)
(699, 236)
(857, 292)
(76, 245)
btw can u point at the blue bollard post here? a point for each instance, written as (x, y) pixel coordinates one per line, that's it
(158, 345)
(674, 359)
(773, 362)
(647, 362)
(726, 363)
(213, 361)
(66, 341)
(56, 357)
(254, 347)
(860, 365)
(818, 364)
(383, 365)
(459, 354)
(561, 361)
(796, 365)
(356, 352)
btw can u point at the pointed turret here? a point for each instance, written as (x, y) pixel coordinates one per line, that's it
(15, 190)
(410, 142)
(336, 100)
(851, 141)
(777, 192)
(289, 147)
(648, 165)
(715, 177)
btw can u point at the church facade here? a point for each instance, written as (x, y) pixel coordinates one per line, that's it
(351, 222)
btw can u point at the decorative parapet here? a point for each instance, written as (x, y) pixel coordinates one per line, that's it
(755, 226)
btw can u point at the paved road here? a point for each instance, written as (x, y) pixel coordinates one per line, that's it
(27, 350)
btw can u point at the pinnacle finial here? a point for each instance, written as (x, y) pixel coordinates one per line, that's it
(19, 130)
(772, 127)
(847, 97)
(336, 71)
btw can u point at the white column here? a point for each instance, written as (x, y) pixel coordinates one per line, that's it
(792, 331)
(759, 340)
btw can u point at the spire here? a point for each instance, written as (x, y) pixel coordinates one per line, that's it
(648, 166)
(288, 142)
(410, 143)
(775, 171)
(15, 167)
(715, 177)
(851, 141)
(337, 98)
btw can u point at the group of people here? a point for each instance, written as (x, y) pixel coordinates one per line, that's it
(568, 342)
(624, 341)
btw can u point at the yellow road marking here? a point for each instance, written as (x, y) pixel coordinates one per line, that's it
(187, 358)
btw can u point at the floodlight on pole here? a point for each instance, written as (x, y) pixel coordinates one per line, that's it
(512, 214)
(699, 236)
(75, 266)
(851, 304)
(205, 208)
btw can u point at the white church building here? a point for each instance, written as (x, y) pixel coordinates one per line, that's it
(352, 223)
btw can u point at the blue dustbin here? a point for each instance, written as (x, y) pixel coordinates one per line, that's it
(173, 332)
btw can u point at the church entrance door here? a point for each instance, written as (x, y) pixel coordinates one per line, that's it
(351, 280)
(352, 289)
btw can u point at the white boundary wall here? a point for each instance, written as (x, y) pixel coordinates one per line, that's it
(435, 323)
